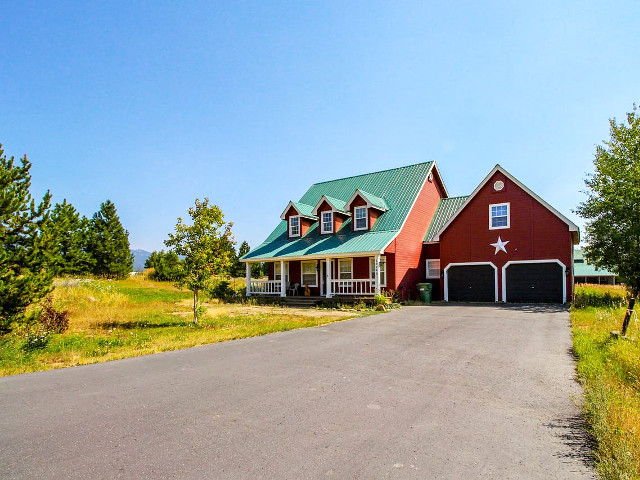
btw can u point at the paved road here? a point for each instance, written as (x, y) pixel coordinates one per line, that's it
(424, 392)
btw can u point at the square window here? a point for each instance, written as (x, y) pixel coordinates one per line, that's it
(499, 216)
(433, 268)
(361, 219)
(327, 222)
(294, 226)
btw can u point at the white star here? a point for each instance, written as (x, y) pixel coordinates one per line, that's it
(500, 244)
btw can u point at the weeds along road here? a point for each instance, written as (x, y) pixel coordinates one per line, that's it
(423, 392)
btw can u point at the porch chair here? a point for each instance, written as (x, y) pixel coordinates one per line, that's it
(293, 288)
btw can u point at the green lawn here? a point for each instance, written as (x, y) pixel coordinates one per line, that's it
(609, 370)
(119, 319)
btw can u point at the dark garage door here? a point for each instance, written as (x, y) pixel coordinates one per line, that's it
(471, 283)
(534, 283)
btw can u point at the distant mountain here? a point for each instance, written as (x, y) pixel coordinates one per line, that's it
(139, 257)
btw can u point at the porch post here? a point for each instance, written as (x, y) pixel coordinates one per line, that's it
(377, 274)
(248, 278)
(283, 284)
(327, 274)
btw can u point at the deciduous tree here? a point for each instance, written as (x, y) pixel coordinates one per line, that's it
(204, 245)
(612, 207)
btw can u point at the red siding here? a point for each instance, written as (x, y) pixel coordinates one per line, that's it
(305, 223)
(408, 269)
(535, 233)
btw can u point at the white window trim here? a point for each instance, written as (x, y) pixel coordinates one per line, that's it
(427, 268)
(299, 226)
(350, 262)
(276, 271)
(322, 230)
(383, 273)
(508, 205)
(355, 219)
(315, 284)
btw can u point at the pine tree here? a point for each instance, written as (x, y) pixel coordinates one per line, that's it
(108, 243)
(69, 231)
(24, 250)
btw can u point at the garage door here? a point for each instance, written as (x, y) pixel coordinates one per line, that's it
(534, 283)
(471, 283)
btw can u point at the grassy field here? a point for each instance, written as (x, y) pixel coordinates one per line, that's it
(609, 370)
(136, 316)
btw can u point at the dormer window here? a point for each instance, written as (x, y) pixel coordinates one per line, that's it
(327, 222)
(294, 226)
(361, 218)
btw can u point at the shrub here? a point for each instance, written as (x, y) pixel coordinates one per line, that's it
(609, 296)
(52, 320)
(380, 300)
(222, 291)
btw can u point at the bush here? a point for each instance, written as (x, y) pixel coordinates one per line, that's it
(608, 296)
(222, 291)
(36, 341)
(52, 320)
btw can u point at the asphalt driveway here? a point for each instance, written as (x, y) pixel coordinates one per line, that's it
(424, 392)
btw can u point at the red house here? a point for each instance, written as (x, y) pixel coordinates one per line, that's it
(390, 230)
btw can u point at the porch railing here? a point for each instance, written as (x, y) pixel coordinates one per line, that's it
(353, 287)
(265, 287)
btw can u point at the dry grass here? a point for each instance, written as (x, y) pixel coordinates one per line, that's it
(609, 369)
(136, 316)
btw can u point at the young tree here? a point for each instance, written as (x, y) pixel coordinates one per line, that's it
(69, 232)
(24, 250)
(204, 245)
(611, 208)
(109, 243)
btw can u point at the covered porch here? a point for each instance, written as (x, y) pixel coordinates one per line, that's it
(330, 277)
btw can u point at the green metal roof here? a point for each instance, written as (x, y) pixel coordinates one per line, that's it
(583, 269)
(337, 203)
(447, 208)
(373, 200)
(399, 187)
(304, 209)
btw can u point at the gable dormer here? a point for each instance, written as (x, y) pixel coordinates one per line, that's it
(331, 214)
(299, 218)
(365, 208)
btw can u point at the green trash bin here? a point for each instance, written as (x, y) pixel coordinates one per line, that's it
(424, 289)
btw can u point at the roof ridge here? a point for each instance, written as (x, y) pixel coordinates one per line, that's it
(372, 173)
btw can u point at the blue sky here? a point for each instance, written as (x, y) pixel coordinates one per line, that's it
(152, 104)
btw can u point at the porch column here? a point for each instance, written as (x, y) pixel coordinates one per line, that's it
(283, 284)
(327, 274)
(248, 278)
(376, 263)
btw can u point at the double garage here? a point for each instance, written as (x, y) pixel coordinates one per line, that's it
(535, 281)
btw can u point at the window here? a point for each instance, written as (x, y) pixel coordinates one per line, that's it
(345, 269)
(276, 271)
(361, 218)
(294, 226)
(383, 270)
(327, 222)
(498, 216)
(309, 274)
(433, 268)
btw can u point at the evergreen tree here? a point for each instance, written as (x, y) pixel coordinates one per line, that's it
(69, 233)
(24, 250)
(167, 266)
(153, 259)
(108, 243)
